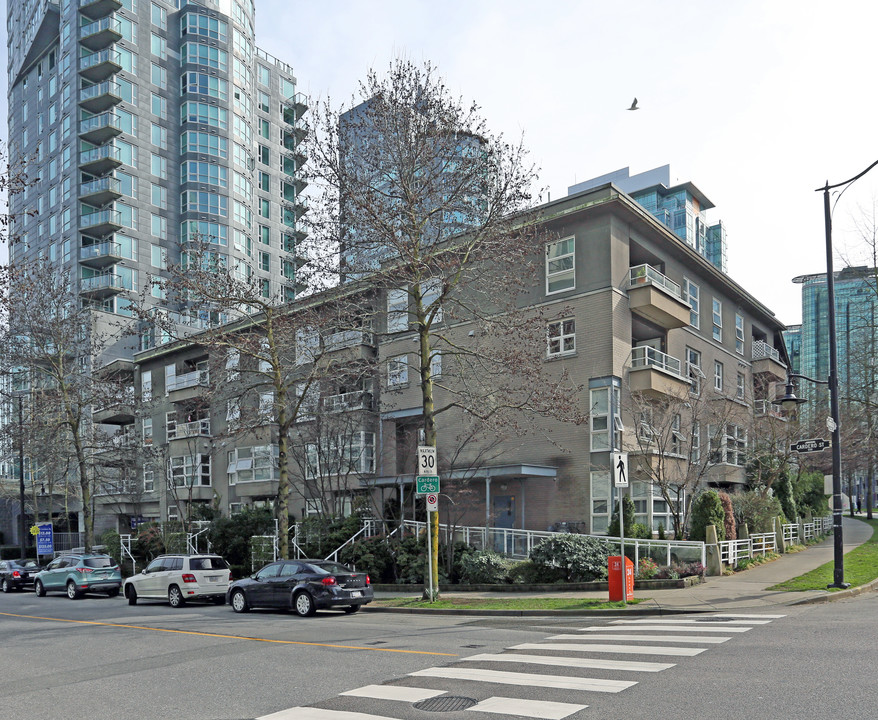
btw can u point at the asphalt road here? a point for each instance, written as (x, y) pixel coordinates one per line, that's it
(99, 658)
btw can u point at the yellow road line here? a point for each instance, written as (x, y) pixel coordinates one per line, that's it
(227, 637)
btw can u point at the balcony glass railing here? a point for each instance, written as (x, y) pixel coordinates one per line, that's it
(357, 400)
(347, 338)
(100, 57)
(648, 275)
(104, 249)
(98, 122)
(104, 88)
(108, 23)
(106, 184)
(106, 281)
(642, 357)
(113, 217)
(187, 380)
(105, 152)
(190, 429)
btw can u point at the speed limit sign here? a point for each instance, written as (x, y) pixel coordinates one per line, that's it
(432, 502)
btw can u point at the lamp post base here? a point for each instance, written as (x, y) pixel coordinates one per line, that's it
(839, 586)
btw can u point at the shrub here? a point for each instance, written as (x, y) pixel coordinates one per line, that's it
(675, 572)
(756, 511)
(111, 540)
(661, 531)
(579, 557)
(647, 568)
(371, 555)
(729, 525)
(230, 536)
(527, 572)
(808, 490)
(707, 509)
(150, 542)
(486, 567)
(785, 493)
(613, 529)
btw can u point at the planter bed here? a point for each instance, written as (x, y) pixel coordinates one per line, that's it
(545, 588)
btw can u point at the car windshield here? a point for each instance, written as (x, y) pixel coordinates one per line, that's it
(331, 568)
(102, 561)
(208, 563)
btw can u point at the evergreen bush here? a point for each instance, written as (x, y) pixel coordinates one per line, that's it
(486, 567)
(580, 558)
(707, 509)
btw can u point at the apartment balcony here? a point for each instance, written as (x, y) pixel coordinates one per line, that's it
(117, 411)
(102, 286)
(100, 191)
(188, 387)
(348, 339)
(766, 361)
(101, 223)
(657, 298)
(256, 489)
(101, 96)
(357, 400)
(100, 128)
(194, 493)
(100, 160)
(644, 462)
(769, 409)
(655, 373)
(196, 428)
(99, 34)
(100, 255)
(95, 9)
(297, 156)
(100, 66)
(294, 108)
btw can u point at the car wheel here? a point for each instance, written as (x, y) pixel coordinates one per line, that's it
(72, 592)
(351, 609)
(39, 589)
(113, 593)
(6, 587)
(175, 597)
(303, 604)
(131, 594)
(239, 602)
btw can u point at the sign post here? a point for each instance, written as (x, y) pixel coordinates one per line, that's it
(620, 480)
(427, 483)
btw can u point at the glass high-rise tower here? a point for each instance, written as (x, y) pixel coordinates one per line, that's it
(147, 124)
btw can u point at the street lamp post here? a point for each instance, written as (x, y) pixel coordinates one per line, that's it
(23, 526)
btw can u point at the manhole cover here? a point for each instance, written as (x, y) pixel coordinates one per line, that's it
(446, 703)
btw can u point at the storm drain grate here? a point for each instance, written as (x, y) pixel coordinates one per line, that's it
(472, 646)
(446, 703)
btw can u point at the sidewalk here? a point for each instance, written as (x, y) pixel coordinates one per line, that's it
(747, 589)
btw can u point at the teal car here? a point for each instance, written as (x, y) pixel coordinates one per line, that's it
(77, 574)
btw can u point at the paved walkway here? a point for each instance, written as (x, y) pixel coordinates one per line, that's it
(745, 589)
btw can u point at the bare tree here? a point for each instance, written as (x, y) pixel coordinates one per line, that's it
(418, 195)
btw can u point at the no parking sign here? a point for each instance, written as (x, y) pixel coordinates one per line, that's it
(432, 502)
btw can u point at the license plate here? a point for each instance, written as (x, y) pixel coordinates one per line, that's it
(356, 593)
(213, 578)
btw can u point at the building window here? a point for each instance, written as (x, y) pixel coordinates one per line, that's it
(561, 336)
(171, 425)
(189, 471)
(253, 464)
(600, 501)
(718, 376)
(695, 448)
(599, 404)
(677, 439)
(398, 371)
(173, 513)
(717, 320)
(560, 265)
(739, 333)
(307, 345)
(693, 368)
(397, 310)
(147, 431)
(233, 411)
(728, 444)
(741, 386)
(146, 385)
(233, 361)
(148, 481)
(692, 294)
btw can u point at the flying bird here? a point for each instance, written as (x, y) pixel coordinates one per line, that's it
(634, 105)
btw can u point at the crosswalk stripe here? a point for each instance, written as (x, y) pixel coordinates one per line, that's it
(311, 713)
(707, 639)
(665, 628)
(744, 615)
(541, 709)
(570, 662)
(527, 679)
(394, 692)
(726, 623)
(619, 649)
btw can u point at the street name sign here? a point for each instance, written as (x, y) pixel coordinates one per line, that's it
(812, 445)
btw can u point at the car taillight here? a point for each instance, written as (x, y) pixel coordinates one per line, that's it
(84, 569)
(16, 574)
(328, 581)
(368, 581)
(230, 576)
(189, 578)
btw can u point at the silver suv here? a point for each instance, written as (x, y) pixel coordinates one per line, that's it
(180, 578)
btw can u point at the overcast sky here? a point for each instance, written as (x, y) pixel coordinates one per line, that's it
(758, 103)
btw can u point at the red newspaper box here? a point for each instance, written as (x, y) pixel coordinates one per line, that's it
(620, 589)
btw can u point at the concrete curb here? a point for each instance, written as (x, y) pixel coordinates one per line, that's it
(840, 595)
(633, 610)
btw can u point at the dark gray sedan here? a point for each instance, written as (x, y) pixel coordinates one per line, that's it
(302, 585)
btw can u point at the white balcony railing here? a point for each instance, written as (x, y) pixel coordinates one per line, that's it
(348, 338)
(648, 275)
(195, 428)
(187, 380)
(357, 400)
(642, 357)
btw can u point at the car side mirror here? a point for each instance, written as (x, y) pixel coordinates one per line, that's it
(143, 572)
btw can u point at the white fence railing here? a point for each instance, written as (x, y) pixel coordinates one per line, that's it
(791, 533)
(519, 543)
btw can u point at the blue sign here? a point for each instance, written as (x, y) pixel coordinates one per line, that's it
(45, 539)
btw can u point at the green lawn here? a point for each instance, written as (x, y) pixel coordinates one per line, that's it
(860, 567)
(477, 603)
